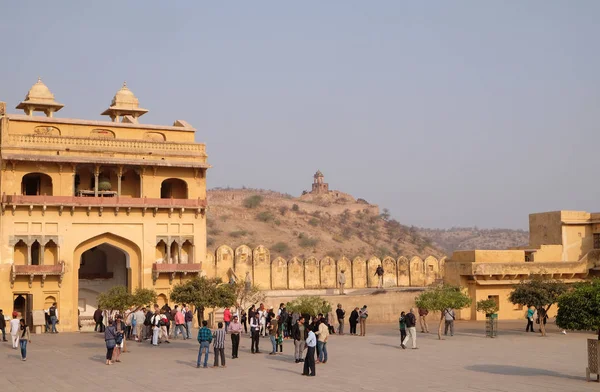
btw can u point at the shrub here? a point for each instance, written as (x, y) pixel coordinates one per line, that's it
(313, 222)
(280, 247)
(214, 231)
(338, 238)
(253, 201)
(224, 218)
(265, 216)
(283, 210)
(295, 208)
(307, 242)
(210, 241)
(238, 233)
(277, 222)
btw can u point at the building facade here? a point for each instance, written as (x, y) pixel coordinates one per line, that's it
(87, 205)
(563, 245)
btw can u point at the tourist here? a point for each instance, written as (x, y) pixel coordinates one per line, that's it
(280, 336)
(289, 324)
(244, 320)
(542, 319)
(309, 360)
(129, 324)
(341, 314)
(251, 312)
(155, 323)
(411, 325)
(255, 333)
(189, 319)
(164, 325)
(148, 326)
(179, 324)
(353, 320)
(529, 317)
(204, 338)
(299, 335)
(172, 328)
(53, 313)
(120, 338)
(283, 319)
(273, 327)
(262, 314)
(166, 311)
(227, 318)
(235, 328)
(15, 327)
(24, 339)
(98, 320)
(342, 281)
(422, 320)
(449, 318)
(323, 334)
(402, 322)
(219, 345)
(3, 326)
(330, 320)
(379, 274)
(363, 314)
(110, 338)
(140, 317)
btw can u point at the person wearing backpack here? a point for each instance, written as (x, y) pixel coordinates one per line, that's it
(363, 314)
(110, 336)
(449, 318)
(53, 312)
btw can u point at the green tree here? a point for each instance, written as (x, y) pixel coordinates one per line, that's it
(309, 304)
(540, 293)
(487, 306)
(443, 297)
(204, 293)
(119, 299)
(579, 309)
(253, 201)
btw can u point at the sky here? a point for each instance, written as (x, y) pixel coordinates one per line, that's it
(448, 113)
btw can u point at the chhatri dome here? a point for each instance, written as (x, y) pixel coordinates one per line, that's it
(40, 99)
(124, 103)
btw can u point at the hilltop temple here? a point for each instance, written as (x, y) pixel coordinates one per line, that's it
(563, 245)
(87, 205)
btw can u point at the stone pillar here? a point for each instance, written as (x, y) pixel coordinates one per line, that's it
(119, 175)
(142, 170)
(192, 256)
(178, 254)
(28, 254)
(169, 253)
(96, 174)
(74, 176)
(42, 248)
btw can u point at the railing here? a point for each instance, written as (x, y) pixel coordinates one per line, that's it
(172, 269)
(124, 144)
(37, 269)
(102, 201)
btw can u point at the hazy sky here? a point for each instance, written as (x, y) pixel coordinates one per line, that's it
(449, 113)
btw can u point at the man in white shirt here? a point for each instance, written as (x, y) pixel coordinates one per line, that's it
(254, 333)
(15, 325)
(309, 360)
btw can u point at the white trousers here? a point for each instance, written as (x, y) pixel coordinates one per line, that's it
(15, 340)
(412, 335)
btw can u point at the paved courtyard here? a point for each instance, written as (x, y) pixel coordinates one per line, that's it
(515, 361)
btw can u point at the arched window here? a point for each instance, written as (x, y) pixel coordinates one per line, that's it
(161, 252)
(20, 253)
(35, 253)
(173, 188)
(174, 253)
(187, 252)
(50, 253)
(36, 184)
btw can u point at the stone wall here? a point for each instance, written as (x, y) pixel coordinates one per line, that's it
(311, 273)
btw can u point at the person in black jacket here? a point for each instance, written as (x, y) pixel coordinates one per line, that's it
(299, 334)
(411, 326)
(148, 325)
(3, 326)
(98, 320)
(353, 321)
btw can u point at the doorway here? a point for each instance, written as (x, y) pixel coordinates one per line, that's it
(23, 305)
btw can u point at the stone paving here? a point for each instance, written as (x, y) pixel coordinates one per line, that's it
(515, 361)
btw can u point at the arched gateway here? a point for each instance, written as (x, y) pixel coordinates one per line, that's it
(102, 262)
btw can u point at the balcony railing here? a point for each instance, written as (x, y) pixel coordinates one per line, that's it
(173, 269)
(116, 144)
(37, 270)
(76, 201)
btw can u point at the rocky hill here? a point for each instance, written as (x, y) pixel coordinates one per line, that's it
(311, 225)
(464, 238)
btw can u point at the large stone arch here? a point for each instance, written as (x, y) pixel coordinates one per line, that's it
(311, 273)
(296, 273)
(389, 272)
(279, 273)
(372, 265)
(224, 262)
(359, 272)
(417, 275)
(328, 273)
(133, 263)
(431, 267)
(345, 265)
(261, 266)
(403, 272)
(243, 262)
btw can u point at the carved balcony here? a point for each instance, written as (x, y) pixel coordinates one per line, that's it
(173, 269)
(37, 270)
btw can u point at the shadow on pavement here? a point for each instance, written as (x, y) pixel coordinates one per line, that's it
(187, 363)
(509, 370)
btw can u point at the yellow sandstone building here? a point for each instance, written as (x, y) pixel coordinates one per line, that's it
(87, 205)
(563, 245)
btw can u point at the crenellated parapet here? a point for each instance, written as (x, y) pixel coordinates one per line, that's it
(298, 273)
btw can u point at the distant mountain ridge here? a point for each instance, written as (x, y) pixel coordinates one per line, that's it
(467, 238)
